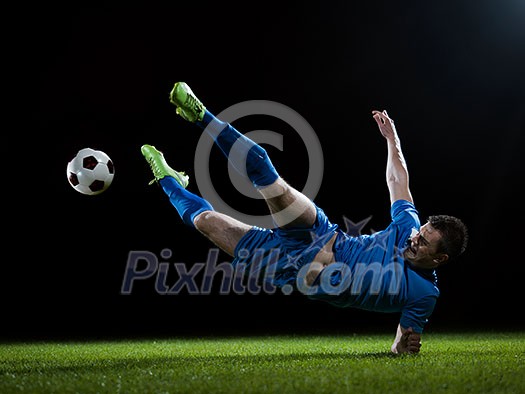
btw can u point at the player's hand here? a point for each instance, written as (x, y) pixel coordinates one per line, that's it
(385, 124)
(410, 342)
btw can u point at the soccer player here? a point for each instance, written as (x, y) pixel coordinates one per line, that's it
(389, 271)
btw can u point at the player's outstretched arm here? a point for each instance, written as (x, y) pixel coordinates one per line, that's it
(396, 169)
(407, 341)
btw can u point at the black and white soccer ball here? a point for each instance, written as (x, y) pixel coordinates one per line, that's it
(90, 172)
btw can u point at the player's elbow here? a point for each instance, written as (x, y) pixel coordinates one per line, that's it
(397, 184)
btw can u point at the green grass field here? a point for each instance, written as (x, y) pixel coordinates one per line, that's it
(448, 363)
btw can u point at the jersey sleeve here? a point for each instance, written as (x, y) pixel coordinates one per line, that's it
(404, 214)
(416, 314)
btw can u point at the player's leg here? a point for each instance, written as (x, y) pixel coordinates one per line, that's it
(196, 212)
(288, 206)
(223, 230)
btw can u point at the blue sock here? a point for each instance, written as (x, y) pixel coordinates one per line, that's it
(187, 204)
(247, 154)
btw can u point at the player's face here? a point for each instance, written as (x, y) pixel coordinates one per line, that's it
(422, 250)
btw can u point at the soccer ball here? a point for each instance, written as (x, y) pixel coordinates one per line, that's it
(90, 171)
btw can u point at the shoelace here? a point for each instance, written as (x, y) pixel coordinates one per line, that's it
(193, 102)
(154, 169)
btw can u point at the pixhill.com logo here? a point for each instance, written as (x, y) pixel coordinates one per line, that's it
(202, 278)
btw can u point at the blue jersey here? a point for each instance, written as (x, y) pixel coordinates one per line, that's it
(370, 273)
(369, 270)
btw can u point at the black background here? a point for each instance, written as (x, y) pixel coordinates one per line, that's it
(451, 74)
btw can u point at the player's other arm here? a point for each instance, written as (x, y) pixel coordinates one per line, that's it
(396, 168)
(407, 341)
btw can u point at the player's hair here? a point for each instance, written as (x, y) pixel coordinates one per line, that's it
(454, 234)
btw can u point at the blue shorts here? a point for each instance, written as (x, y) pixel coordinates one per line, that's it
(276, 255)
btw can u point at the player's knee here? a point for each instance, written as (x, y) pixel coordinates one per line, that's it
(204, 221)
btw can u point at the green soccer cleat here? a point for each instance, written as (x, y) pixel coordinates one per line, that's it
(188, 105)
(160, 168)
